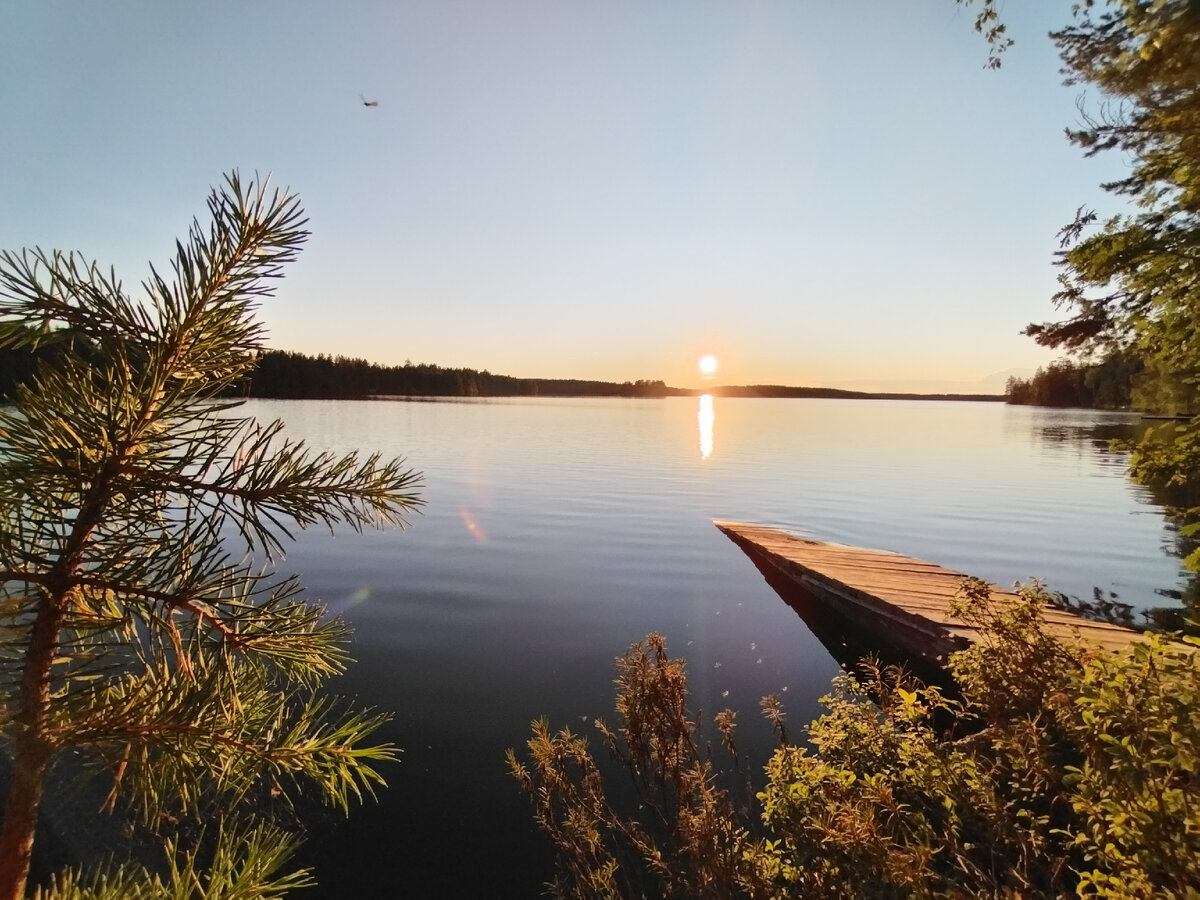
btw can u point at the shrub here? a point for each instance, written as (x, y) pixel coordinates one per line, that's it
(1046, 768)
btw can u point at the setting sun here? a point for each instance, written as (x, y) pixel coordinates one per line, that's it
(708, 364)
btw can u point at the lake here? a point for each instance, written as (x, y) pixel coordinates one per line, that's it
(557, 532)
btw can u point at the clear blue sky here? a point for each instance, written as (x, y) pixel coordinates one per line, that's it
(818, 192)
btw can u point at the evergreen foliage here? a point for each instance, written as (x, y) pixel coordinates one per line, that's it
(1062, 383)
(1046, 769)
(135, 634)
(287, 375)
(1133, 281)
(1118, 381)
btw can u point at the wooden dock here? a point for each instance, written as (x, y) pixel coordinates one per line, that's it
(893, 602)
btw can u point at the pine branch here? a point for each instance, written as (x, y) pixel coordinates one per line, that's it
(125, 630)
(225, 730)
(243, 863)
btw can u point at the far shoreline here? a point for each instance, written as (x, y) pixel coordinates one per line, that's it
(284, 375)
(734, 391)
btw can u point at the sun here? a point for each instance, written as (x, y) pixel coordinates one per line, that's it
(708, 364)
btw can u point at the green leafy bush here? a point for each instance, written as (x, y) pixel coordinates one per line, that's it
(1043, 768)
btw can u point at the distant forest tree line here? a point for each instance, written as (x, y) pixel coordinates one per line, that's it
(286, 375)
(281, 374)
(1122, 379)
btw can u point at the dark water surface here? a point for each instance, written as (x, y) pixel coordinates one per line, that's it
(557, 532)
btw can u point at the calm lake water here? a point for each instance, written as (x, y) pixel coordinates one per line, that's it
(557, 532)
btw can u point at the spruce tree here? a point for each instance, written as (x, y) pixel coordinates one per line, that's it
(143, 628)
(1131, 284)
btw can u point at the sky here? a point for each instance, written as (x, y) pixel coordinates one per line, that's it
(814, 192)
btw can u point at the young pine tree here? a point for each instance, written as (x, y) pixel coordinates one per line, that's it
(136, 631)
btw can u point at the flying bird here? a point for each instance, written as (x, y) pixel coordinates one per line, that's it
(366, 102)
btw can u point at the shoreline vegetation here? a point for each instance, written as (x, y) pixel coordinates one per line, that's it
(289, 375)
(285, 375)
(1121, 380)
(1042, 769)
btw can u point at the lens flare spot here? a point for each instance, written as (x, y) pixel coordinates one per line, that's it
(360, 596)
(473, 527)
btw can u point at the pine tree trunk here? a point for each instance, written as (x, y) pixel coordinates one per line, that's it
(32, 748)
(31, 753)
(20, 818)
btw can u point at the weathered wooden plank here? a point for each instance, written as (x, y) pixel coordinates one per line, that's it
(897, 599)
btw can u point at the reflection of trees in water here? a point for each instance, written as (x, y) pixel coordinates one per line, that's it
(1108, 607)
(1175, 500)
(1105, 442)
(1092, 439)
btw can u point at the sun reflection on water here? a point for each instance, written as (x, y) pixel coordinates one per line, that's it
(705, 418)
